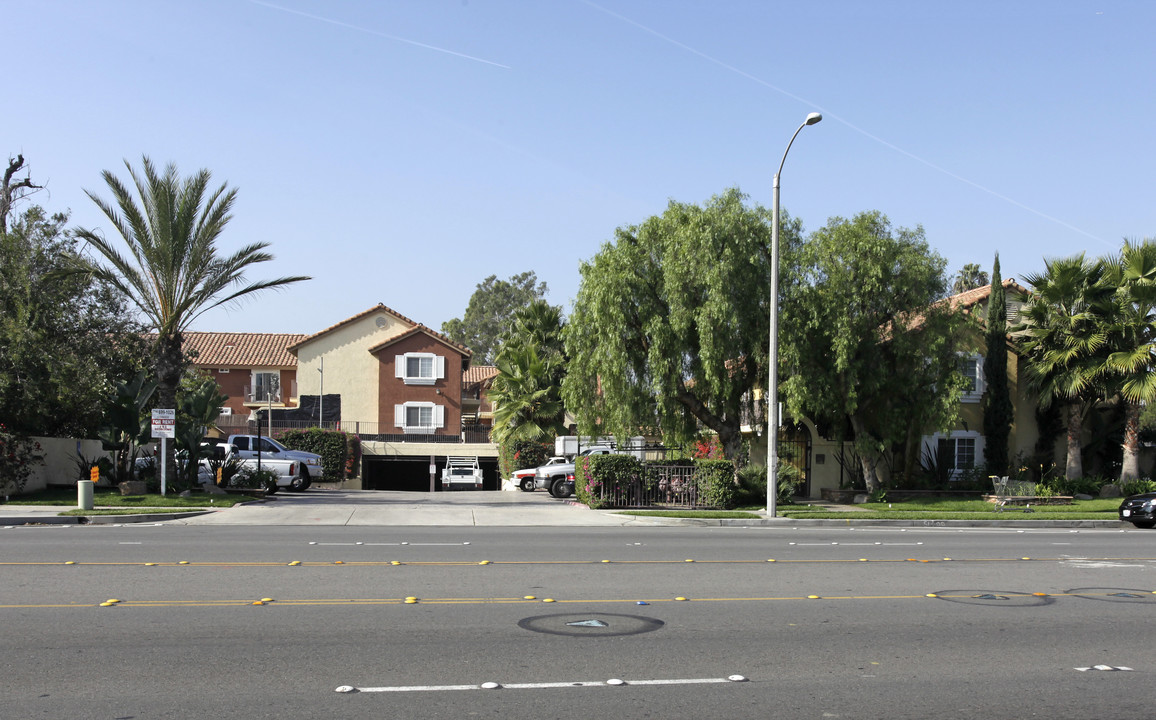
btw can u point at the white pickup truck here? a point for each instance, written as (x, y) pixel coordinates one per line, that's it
(247, 447)
(290, 473)
(462, 473)
(558, 479)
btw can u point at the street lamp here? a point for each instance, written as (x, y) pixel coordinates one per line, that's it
(773, 354)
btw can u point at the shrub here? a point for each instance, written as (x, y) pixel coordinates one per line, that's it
(1136, 487)
(752, 489)
(716, 483)
(340, 452)
(18, 453)
(519, 454)
(596, 476)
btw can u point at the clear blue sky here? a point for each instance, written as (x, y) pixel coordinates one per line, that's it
(400, 151)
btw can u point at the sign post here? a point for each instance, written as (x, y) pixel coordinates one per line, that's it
(164, 427)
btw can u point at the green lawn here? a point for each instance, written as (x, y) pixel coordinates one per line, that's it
(111, 497)
(960, 509)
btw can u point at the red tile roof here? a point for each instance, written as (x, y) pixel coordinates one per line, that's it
(382, 308)
(233, 349)
(479, 374)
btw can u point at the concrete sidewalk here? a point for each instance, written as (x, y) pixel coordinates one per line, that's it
(321, 506)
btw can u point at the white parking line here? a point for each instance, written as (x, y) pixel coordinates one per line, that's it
(613, 682)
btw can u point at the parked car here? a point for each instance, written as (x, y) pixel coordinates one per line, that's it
(553, 477)
(1140, 510)
(525, 478)
(249, 446)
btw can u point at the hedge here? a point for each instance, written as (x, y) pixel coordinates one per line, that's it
(340, 451)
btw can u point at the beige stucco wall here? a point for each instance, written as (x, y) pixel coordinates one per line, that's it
(350, 370)
(60, 462)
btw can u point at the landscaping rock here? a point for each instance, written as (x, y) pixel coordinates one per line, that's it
(859, 498)
(1110, 491)
(134, 487)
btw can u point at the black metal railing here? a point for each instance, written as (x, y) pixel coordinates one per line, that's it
(668, 486)
(371, 431)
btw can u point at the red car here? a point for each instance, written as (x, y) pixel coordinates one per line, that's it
(525, 477)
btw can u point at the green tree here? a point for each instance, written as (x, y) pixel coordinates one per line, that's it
(969, 277)
(200, 406)
(866, 343)
(1130, 367)
(531, 364)
(1064, 341)
(174, 271)
(64, 341)
(997, 404)
(669, 330)
(491, 312)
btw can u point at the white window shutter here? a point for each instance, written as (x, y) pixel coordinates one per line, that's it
(399, 366)
(399, 415)
(441, 367)
(439, 414)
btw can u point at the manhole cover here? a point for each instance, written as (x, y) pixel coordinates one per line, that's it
(991, 598)
(590, 625)
(1124, 595)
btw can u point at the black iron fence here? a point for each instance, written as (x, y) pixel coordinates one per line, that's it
(657, 486)
(370, 431)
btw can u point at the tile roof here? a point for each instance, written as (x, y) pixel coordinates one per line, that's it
(479, 374)
(973, 297)
(465, 351)
(235, 349)
(381, 308)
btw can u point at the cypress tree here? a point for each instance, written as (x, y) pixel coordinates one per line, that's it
(997, 404)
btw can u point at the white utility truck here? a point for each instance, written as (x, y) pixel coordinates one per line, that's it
(462, 473)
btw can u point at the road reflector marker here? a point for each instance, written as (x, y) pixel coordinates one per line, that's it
(615, 681)
(70, 562)
(770, 559)
(112, 600)
(548, 600)
(490, 686)
(931, 595)
(814, 597)
(183, 562)
(1040, 594)
(266, 599)
(862, 559)
(529, 597)
(411, 601)
(294, 563)
(605, 561)
(338, 562)
(108, 604)
(257, 602)
(690, 560)
(394, 562)
(484, 562)
(680, 599)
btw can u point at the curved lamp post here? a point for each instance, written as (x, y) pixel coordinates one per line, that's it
(773, 354)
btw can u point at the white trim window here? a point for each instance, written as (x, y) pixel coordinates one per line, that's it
(420, 368)
(266, 386)
(958, 452)
(419, 417)
(971, 368)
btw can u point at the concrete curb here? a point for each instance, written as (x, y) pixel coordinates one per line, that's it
(789, 522)
(97, 519)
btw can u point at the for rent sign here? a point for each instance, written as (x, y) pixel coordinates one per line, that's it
(164, 423)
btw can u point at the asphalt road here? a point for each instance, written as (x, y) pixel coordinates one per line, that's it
(819, 623)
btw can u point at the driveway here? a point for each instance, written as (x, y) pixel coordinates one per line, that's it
(319, 506)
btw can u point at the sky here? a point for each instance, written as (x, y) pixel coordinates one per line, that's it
(401, 151)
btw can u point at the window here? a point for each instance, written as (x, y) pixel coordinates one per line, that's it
(419, 417)
(953, 455)
(266, 386)
(420, 368)
(971, 367)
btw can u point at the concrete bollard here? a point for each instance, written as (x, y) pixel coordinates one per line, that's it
(84, 494)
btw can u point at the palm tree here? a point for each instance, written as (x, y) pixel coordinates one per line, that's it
(969, 278)
(527, 402)
(1132, 338)
(173, 272)
(1064, 340)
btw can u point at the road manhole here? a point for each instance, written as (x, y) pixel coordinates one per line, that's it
(1119, 595)
(590, 624)
(994, 598)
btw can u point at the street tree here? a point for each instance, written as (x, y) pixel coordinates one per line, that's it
(866, 344)
(1130, 367)
(531, 364)
(174, 271)
(491, 311)
(64, 341)
(998, 412)
(669, 330)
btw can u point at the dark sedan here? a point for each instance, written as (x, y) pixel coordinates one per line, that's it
(1140, 510)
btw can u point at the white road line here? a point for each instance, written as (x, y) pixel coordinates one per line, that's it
(537, 686)
(129, 543)
(390, 544)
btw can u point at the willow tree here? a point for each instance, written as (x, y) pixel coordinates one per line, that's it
(867, 344)
(174, 270)
(669, 331)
